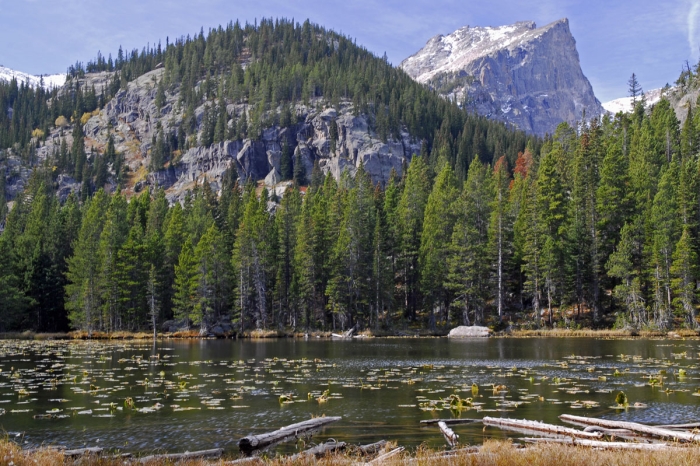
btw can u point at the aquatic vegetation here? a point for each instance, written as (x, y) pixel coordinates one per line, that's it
(621, 399)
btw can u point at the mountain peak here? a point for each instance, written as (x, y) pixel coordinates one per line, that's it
(518, 73)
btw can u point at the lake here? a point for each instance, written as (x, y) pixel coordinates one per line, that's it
(198, 394)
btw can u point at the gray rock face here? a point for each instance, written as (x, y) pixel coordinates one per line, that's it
(520, 74)
(133, 119)
(469, 332)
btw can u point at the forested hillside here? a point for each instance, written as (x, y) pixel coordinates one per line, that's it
(598, 224)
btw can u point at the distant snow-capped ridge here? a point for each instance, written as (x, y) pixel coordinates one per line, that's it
(50, 80)
(624, 104)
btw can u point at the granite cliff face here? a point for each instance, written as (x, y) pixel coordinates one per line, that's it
(520, 74)
(132, 118)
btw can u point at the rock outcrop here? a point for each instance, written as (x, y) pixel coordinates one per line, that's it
(520, 74)
(469, 332)
(133, 119)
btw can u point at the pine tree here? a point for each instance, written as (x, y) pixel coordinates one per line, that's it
(185, 285)
(132, 281)
(83, 291)
(286, 161)
(286, 219)
(252, 260)
(684, 271)
(664, 236)
(113, 236)
(435, 239)
(551, 207)
(212, 266)
(468, 263)
(634, 89)
(622, 264)
(299, 170)
(500, 233)
(410, 215)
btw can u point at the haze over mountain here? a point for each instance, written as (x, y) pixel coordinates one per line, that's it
(520, 74)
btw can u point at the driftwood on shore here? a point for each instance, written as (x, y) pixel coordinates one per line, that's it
(188, 455)
(520, 425)
(381, 458)
(634, 427)
(82, 451)
(257, 442)
(344, 335)
(319, 451)
(372, 448)
(602, 444)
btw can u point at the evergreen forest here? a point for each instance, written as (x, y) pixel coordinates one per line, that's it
(596, 225)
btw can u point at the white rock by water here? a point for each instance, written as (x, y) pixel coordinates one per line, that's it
(469, 332)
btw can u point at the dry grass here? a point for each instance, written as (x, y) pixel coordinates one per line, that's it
(121, 335)
(602, 333)
(493, 453)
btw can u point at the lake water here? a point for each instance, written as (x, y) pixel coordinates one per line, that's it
(189, 395)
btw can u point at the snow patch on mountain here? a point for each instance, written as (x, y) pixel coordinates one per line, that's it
(624, 104)
(50, 80)
(454, 51)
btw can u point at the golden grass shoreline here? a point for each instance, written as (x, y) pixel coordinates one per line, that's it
(492, 453)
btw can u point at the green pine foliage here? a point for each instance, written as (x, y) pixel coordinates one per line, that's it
(597, 224)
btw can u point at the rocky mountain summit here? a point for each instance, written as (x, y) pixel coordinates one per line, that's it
(520, 74)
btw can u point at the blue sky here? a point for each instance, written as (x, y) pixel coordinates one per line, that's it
(614, 38)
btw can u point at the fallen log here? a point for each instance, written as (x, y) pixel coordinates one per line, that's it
(633, 426)
(519, 424)
(372, 448)
(188, 455)
(450, 436)
(83, 451)
(257, 442)
(379, 459)
(601, 444)
(449, 421)
(617, 433)
(692, 425)
(319, 450)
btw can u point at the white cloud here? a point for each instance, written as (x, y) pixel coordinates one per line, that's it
(693, 19)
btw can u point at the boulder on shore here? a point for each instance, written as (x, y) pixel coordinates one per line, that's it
(469, 332)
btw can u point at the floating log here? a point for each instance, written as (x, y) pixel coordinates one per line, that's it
(450, 421)
(519, 424)
(633, 426)
(319, 450)
(450, 436)
(601, 444)
(379, 459)
(256, 442)
(188, 455)
(83, 451)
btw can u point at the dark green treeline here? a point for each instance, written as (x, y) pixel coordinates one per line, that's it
(603, 219)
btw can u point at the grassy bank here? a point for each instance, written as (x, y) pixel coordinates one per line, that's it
(272, 334)
(493, 453)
